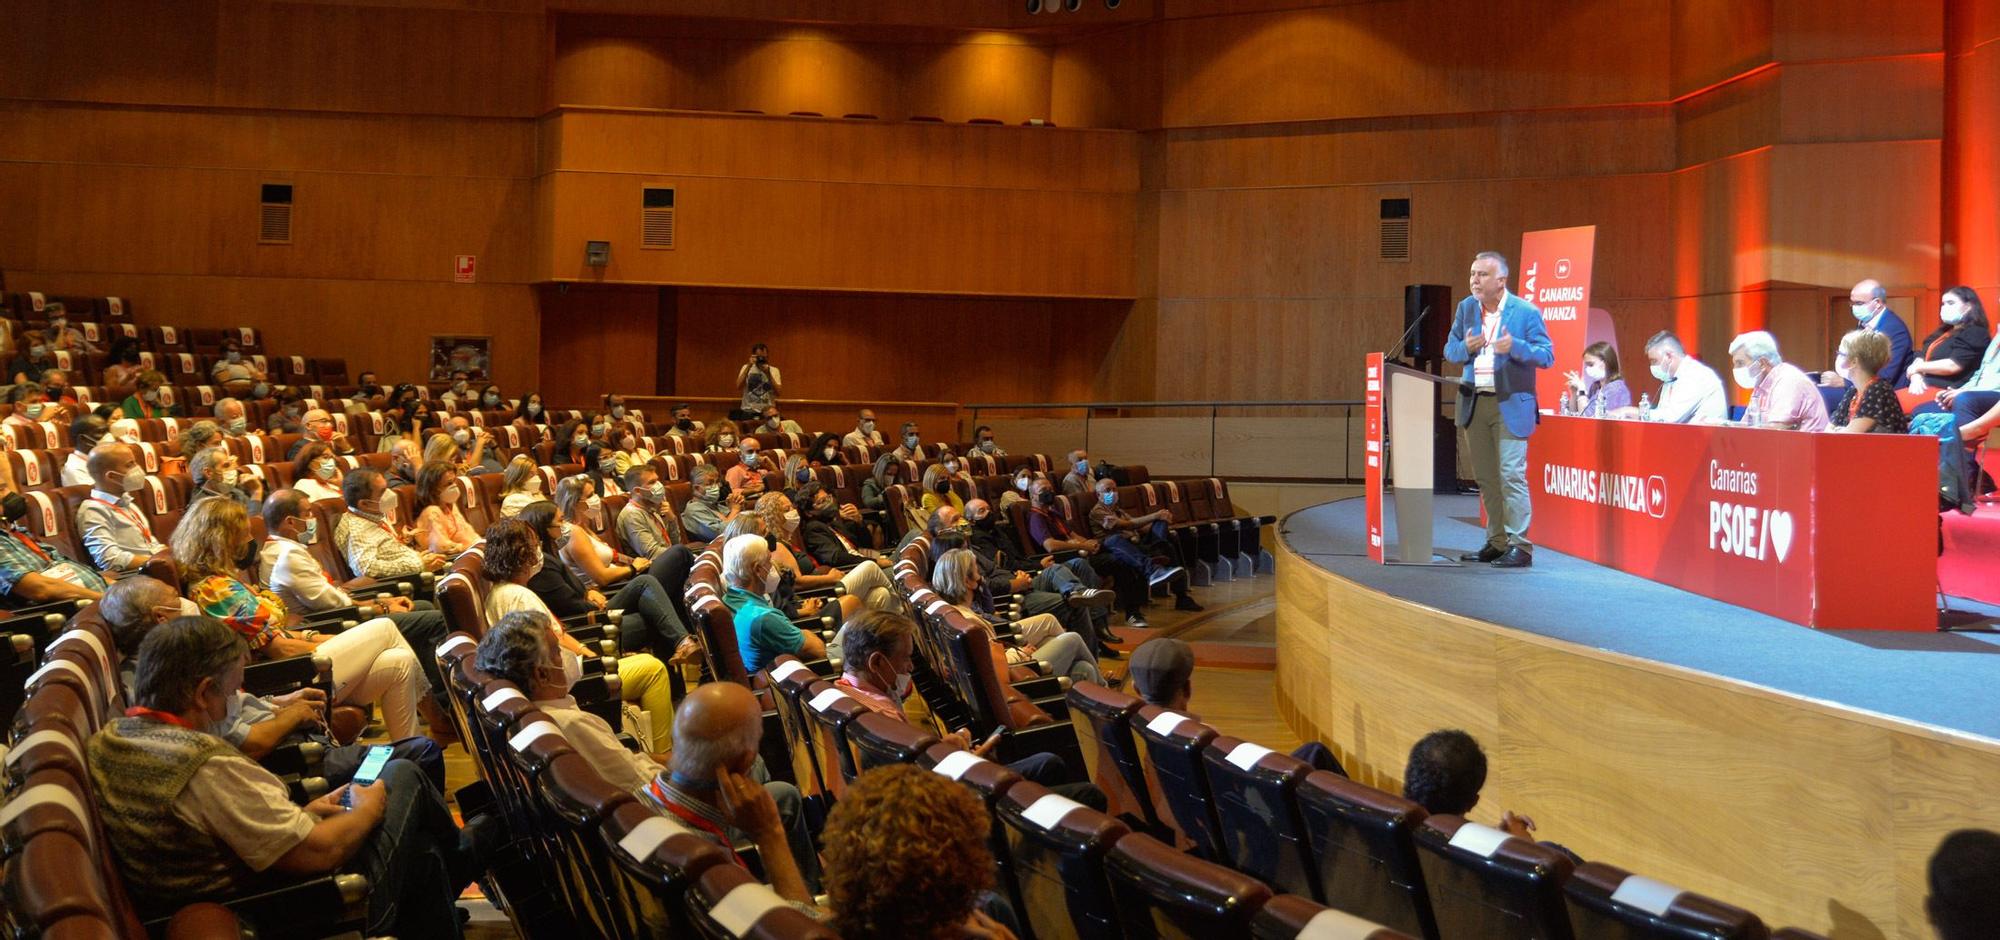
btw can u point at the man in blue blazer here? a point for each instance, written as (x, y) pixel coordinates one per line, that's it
(1870, 302)
(1500, 340)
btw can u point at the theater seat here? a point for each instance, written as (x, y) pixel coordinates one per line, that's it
(876, 740)
(1290, 917)
(1487, 885)
(1364, 853)
(1605, 901)
(662, 857)
(727, 904)
(1056, 848)
(1112, 756)
(1161, 892)
(1172, 744)
(1258, 827)
(830, 711)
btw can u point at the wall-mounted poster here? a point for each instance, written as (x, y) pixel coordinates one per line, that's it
(467, 354)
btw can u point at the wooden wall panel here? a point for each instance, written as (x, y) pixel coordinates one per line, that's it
(1107, 79)
(893, 348)
(1715, 40)
(598, 339)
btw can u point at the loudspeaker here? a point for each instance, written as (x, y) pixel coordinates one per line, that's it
(1427, 342)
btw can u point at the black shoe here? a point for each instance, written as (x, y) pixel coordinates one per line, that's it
(1515, 558)
(1185, 602)
(1481, 556)
(1106, 652)
(1107, 637)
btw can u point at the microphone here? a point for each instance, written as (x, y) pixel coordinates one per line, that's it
(1396, 349)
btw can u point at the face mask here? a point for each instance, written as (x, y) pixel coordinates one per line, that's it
(774, 423)
(458, 388)
(325, 468)
(594, 503)
(712, 493)
(34, 410)
(608, 465)
(1660, 372)
(726, 443)
(910, 441)
(572, 669)
(1861, 313)
(985, 522)
(1021, 483)
(1108, 499)
(618, 411)
(534, 484)
(827, 454)
(1046, 497)
(941, 487)
(771, 579)
(13, 506)
(226, 477)
(233, 356)
(826, 511)
(1744, 377)
(292, 411)
(581, 441)
(1594, 373)
(867, 427)
(986, 445)
(791, 519)
(231, 709)
(492, 401)
(462, 436)
(1951, 315)
(749, 458)
(451, 495)
(684, 424)
(657, 491)
(951, 467)
(152, 396)
(1083, 468)
(597, 430)
(37, 352)
(324, 433)
(239, 425)
(133, 480)
(249, 557)
(310, 533)
(384, 507)
(534, 409)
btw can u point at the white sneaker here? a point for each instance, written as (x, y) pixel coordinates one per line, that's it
(1162, 574)
(1136, 619)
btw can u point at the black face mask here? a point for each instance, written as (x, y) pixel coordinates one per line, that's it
(14, 507)
(1048, 498)
(248, 559)
(826, 513)
(684, 424)
(941, 487)
(985, 522)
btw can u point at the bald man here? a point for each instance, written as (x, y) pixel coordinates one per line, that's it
(115, 530)
(317, 425)
(1869, 302)
(710, 783)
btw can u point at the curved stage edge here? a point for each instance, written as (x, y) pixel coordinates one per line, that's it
(1807, 812)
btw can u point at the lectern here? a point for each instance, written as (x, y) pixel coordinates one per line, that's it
(1401, 420)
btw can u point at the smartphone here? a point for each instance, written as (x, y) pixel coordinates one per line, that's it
(370, 771)
(994, 737)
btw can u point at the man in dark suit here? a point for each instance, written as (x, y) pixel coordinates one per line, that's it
(1869, 301)
(1500, 340)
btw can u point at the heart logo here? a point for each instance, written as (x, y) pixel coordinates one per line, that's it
(1778, 525)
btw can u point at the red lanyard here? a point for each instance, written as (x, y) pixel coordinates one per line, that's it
(25, 540)
(694, 819)
(130, 514)
(141, 711)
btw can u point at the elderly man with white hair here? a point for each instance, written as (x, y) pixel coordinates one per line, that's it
(763, 632)
(1781, 394)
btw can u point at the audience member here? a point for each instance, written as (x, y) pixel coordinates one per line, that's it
(706, 511)
(441, 528)
(1069, 590)
(56, 385)
(1869, 405)
(459, 394)
(938, 493)
(316, 472)
(721, 438)
(771, 422)
(236, 374)
(150, 399)
(367, 534)
(1017, 491)
(825, 452)
(372, 663)
(1444, 775)
(118, 536)
(405, 461)
(62, 335)
(514, 556)
(490, 398)
(1163, 675)
(1869, 301)
(30, 409)
(1951, 353)
(650, 529)
(879, 653)
(121, 368)
(477, 451)
(84, 434)
(1690, 391)
(190, 817)
(1781, 396)
(34, 358)
(520, 485)
(1964, 900)
(522, 649)
(632, 452)
(1132, 573)
(763, 633)
(600, 465)
(760, 383)
(864, 433)
(215, 474)
(529, 413)
(984, 442)
(864, 584)
(684, 423)
(318, 427)
(33, 571)
(1038, 637)
(286, 417)
(716, 784)
(907, 858)
(912, 446)
(749, 476)
(833, 533)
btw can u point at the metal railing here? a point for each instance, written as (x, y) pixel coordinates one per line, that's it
(1350, 467)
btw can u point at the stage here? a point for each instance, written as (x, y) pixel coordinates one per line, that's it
(1805, 775)
(1947, 680)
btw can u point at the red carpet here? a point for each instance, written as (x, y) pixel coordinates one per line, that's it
(1970, 565)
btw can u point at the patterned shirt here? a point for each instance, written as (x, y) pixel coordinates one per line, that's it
(21, 554)
(373, 550)
(1878, 402)
(254, 612)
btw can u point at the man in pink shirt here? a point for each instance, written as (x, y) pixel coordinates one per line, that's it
(1781, 394)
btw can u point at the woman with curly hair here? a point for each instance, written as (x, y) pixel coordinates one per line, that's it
(906, 858)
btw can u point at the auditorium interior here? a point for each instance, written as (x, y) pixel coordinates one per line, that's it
(1030, 469)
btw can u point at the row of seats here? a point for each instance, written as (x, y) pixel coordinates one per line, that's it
(34, 305)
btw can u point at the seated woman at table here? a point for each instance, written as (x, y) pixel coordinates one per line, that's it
(1600, 390)
(1870, 405)
(1948, 357)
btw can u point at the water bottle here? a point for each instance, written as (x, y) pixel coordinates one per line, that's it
(1597, 407)
(1645, 407)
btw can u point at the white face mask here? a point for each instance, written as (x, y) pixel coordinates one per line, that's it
(133, 480)
(388, 503)
(1660, 372)
(1744, 377)
(325, 468)
(572, 669)
(534, 484)
(227, 477)
(1594, 373)
(1861, 312)
(1952, 314)
(451, 495)
(771, 579)
(791, 519)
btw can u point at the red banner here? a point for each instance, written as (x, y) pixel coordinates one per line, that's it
(1828, 530)
(1372, 446)
(1554, 275)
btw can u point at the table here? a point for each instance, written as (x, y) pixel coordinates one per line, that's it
(1834, 531)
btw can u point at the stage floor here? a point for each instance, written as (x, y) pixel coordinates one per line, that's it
(1946, 680)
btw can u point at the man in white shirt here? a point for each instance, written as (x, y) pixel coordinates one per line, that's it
(115, 531)
(84, 433)
(288, 568)
(522, 648)
(864, 433)
(1690, 392)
